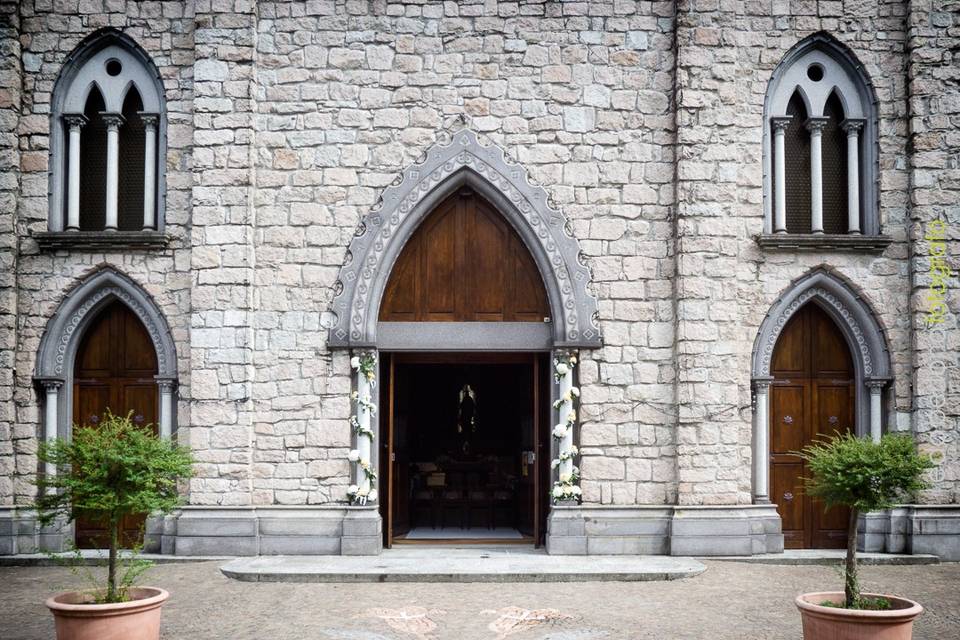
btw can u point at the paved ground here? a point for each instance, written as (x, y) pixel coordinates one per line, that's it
(730, 600)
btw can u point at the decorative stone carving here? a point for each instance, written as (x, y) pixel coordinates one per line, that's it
(463, 160)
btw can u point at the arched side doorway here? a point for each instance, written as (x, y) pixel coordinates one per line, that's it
(115, 368)
(811, 398)
(104, 344)
(832, 323)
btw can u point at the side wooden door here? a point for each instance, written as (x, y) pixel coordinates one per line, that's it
(811, 398)
(114, 369)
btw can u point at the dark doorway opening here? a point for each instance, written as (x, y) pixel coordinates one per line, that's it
(464, 447)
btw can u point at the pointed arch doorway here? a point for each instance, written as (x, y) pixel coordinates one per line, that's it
(811, 397)
(464, 441)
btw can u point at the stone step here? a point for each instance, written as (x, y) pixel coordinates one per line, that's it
(447, 564)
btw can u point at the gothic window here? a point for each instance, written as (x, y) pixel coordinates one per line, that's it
(820, 156)
(107, 133)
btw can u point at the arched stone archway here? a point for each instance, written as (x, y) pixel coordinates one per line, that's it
(64, 333)
(865, 339)
(444, 169)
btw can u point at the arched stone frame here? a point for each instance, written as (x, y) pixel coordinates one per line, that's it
(866, 340)
(69, 96)
(65, 331)
(445, 168)
(859, 100)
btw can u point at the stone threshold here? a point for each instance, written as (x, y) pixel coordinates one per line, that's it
(94, 557)
(829, 557)
(447, 564)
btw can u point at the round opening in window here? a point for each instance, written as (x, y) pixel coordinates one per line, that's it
(114, 67)
(815, 72)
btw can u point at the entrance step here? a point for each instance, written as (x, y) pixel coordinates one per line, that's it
(830, 557)
(452, 564)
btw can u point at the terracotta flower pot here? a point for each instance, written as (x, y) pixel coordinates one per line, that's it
(138, 619)
(833, 623)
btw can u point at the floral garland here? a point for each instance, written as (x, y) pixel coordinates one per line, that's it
(566, 487)
(365, 365)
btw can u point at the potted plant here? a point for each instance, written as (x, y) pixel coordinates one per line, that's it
(106, 473)
(864, 476)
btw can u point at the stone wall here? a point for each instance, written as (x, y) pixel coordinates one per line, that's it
(48, 32)
(726, 283)
(934, 107)
(643, 122)
(12, 437)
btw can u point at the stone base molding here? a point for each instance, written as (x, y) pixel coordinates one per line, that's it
(913, 529)
(272, 530)
(665, 530)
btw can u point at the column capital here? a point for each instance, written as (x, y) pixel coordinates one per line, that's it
(75, 120)
(165, 383)
(780, 123)
(149, 119)
(852, 125)
(816, 124)
(876, 385)
(112, 120)
(49, 384)
(762, 384)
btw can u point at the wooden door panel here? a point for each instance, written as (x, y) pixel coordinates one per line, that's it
(438, 266)
(812, 397)
(139, 356)
(831, 356)
(115, 368)
(786, 488)
(465, 264)
(487, 243)
(140, 398)
(788, 417)
(791, 358)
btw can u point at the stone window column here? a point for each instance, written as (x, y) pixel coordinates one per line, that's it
(113, 122)
(815, 127)
(74, 123)
(150, 121)
(167, 386)
(50, 417)
(876, 407)
(779, 174)
(853, 127)
(761, 441)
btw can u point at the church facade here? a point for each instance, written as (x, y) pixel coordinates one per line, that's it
(583, 275)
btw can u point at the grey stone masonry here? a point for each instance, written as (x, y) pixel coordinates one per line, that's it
(624, 142)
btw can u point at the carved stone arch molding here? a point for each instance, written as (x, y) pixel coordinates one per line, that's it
(444, 168)
(868, 348)
(65, 330)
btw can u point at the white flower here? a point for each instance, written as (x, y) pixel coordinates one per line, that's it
(564, 477)
(567, 490)
(355, 362)
(575, 392)
(560, 430)
(372, 495)
(575, 490)
(353, 456)
(362, 492)
(352, 490)
(572, 417)
(562, 369)
(573, 451)
(557, 491)
(573, 359)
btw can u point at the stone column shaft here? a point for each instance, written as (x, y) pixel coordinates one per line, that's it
(149, 170)
(815, 127)
(779, 175)
(761, 443)
(166, 407)
(852, 127)
(74, 123)
(50, 418)
(113, 121)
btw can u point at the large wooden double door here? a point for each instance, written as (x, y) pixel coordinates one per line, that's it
(812, 396)
(114, 369)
